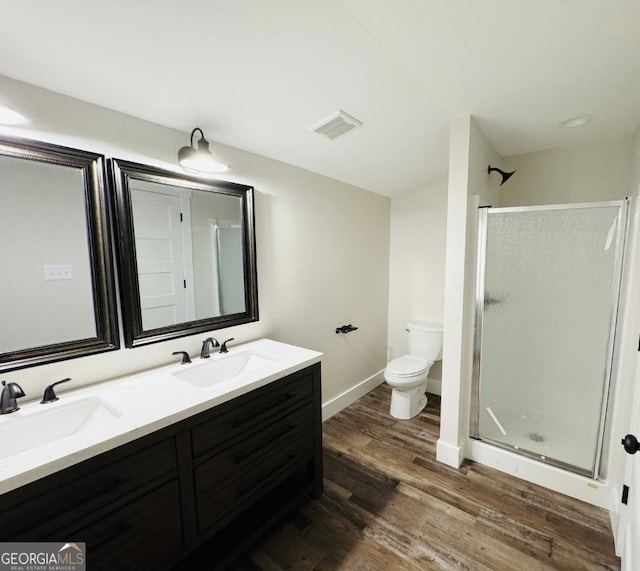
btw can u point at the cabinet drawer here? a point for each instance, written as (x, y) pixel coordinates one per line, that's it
(144, 534)
(215, 501)
(249, 411)
(36, 510)
(245, 453)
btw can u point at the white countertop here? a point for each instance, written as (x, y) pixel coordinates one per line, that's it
(144, 403)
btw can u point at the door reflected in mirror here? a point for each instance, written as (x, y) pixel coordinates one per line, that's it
(187, 253)
(56, 292)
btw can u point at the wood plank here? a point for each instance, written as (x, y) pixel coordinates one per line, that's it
(388, 504)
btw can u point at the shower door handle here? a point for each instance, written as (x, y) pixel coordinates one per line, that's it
(631, 444)
(489, 300)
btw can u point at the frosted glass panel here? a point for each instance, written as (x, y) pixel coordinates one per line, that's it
(548, 296)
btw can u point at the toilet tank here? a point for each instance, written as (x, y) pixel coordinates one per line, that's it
(425, 340)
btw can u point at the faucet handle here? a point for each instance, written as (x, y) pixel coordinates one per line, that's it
(185, 357)
(49, 394)
(223, 348)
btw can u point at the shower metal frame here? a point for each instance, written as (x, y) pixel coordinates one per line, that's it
(481, 251)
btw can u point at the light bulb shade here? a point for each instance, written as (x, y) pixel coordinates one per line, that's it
(200, 159)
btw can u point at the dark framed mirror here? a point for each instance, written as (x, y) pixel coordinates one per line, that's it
(186, 251)
(57, 292)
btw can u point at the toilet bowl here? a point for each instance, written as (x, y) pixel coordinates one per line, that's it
(407, 375)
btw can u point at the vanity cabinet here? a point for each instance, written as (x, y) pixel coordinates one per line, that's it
(214, 482)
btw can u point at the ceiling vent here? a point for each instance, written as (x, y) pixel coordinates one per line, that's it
(335, 125)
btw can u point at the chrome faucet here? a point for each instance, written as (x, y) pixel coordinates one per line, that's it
(209, 342)
(10, 392)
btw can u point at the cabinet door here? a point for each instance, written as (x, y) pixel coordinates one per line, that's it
(141, 535)
(36, 511)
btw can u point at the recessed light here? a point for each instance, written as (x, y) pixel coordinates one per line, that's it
(9, 116)
(578, 121)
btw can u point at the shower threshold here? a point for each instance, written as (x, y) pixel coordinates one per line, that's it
(528, 453)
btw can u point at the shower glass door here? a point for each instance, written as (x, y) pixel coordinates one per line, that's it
(547, 295)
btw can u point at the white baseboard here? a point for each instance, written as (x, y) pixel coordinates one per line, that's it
(336, 404)
(449, 454)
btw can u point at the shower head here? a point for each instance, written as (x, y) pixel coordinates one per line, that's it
(505, 175)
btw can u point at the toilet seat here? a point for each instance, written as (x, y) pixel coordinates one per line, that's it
(407, 367)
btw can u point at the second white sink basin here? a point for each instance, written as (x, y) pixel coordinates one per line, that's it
(224, 368)
(54, 422)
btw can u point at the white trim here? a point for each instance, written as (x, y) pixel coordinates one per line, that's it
(567, 206)
(449, 454)
(595, 492)
(336, 404)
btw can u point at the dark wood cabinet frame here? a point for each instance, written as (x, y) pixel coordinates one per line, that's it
(205, 487)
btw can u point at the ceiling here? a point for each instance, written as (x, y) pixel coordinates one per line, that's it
(257, 74)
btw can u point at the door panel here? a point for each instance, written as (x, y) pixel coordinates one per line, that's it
(159, 251)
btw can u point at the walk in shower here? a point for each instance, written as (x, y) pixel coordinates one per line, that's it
(547, 293)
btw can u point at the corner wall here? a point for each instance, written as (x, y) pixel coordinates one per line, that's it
(417, 266)
(322, 248)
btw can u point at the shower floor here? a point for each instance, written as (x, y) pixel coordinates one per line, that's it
(548, 438)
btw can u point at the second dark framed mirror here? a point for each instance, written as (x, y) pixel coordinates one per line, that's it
(186, 250)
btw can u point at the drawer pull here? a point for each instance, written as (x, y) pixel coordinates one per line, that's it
(244, 491)
(121, 528)
(287, 397)
(241, 457)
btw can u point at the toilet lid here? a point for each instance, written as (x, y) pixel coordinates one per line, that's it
(407, 366)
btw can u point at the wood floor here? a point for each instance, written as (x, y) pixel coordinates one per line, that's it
(389, 505)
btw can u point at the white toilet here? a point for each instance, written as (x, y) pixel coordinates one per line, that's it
(407, 375)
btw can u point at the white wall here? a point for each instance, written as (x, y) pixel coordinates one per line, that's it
(43, 222)
(588, 173)
(322, 246)
(470, 153)
(416, 267)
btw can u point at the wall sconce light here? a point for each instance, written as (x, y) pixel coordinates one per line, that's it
(200, 159)
(505, 175)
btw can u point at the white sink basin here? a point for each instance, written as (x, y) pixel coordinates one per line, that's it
(54, 422)
(224, 368)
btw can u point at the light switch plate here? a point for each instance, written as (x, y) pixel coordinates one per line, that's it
(58, 272)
